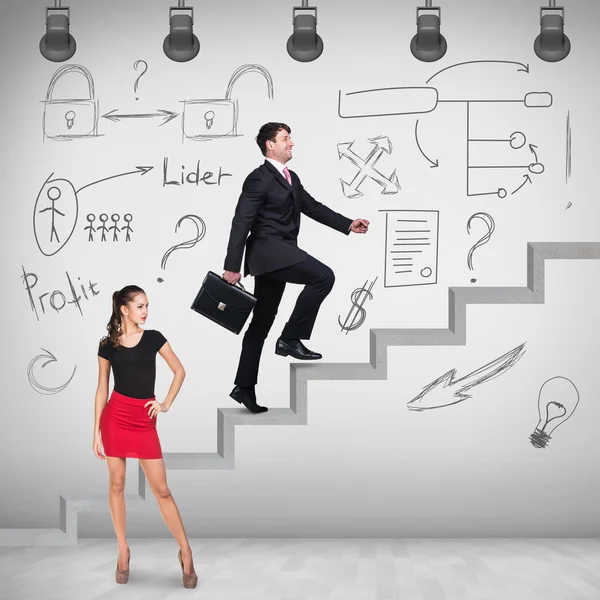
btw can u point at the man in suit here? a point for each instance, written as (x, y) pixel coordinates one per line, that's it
(269, 208)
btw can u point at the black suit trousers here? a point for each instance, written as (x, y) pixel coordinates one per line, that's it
(318, 280)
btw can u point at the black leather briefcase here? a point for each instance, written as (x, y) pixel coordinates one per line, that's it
(225, 304)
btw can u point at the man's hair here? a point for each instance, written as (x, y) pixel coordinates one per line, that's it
(268, 133)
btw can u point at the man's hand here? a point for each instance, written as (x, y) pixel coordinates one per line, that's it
(359, 226)
(231, 277)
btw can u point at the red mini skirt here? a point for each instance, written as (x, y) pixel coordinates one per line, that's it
(126, 429)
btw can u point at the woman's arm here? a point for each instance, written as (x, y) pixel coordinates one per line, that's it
(178, 373)
(101, 391)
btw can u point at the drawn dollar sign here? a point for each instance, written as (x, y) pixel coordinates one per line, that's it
(360, 313)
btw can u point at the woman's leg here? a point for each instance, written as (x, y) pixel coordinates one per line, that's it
(116, 501)
(156, 474)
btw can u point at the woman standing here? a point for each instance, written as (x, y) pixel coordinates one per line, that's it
(126, 424)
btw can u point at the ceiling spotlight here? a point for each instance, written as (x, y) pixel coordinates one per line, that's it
(552, 44)
(429, 44)
(305, 44)
(58, 44)
(181, 44)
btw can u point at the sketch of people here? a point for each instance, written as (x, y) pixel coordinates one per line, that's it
(91, 217)
(53, 194)
(103, 228)
(115, 218)
(269, 209)
(127, 227)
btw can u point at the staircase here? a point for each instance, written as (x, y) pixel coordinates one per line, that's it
(301, 373)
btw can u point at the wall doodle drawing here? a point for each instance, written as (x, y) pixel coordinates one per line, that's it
(66, 118)
(557, 400)
(411, 247)
(359, 317)
(204, 120)
(366, 167)
(56, 210)
(35, 384)
(103, 229)
(200, 226)
(434, 396)
(391, 101)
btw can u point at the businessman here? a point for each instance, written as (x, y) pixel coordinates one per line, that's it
(269, 209)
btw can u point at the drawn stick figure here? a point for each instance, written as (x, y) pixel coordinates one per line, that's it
(53, 194)
(127, 228)
(103, 228)
(90, 219)
(115, 228)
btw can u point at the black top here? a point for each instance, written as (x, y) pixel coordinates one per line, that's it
(134, 369)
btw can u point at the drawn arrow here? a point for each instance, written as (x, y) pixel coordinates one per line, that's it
(438, 397)
(142, 170)
(161, 113)
(527, 180)
(35, 384)
(381, 144)
(470, 62)
(531, 147)
(433, 164)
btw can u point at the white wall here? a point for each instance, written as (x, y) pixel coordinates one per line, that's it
(364, 464)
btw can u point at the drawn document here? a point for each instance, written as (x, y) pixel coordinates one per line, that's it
(411, 247)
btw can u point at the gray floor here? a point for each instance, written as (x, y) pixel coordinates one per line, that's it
(311, 569)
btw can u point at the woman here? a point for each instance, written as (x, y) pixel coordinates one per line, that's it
(126, 424)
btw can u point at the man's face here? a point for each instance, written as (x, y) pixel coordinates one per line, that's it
(281, 148)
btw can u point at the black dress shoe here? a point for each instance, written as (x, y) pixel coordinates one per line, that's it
(247, 399)
(296, 349)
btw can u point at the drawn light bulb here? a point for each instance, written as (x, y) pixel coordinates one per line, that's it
(557, 400)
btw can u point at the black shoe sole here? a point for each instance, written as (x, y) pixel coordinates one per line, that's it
(283, 352)
(259, 409)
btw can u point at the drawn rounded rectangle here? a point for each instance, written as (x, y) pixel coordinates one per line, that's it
(70, 118)
(538, 100)
(387, 101)
(209, 118)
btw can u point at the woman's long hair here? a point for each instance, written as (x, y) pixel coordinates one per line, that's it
(119, 298)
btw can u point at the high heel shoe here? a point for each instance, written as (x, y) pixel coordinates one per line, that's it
(122, 576)
(189, 581)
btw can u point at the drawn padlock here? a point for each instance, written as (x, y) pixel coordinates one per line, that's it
(207, 119)
(70, 118)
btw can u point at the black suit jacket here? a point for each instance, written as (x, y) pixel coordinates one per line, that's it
(269, 210)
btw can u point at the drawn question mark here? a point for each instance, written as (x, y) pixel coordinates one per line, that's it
(135, 66)
(489, 221)
(200, 232)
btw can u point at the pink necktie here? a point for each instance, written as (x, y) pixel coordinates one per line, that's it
(287, 175)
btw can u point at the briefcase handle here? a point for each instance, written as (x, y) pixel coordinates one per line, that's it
(238, 283)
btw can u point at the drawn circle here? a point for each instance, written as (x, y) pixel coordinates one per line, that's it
(516, 137)
(426, 272)
(53, 193)
(70, 115)
(91, 217)
(104, 217)
(60, 190)
(127, 217)
(115, 218)
(207, 113)
(537, 165)
(501, 193)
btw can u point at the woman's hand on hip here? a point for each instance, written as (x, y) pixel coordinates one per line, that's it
(97, 448)
(155, 408)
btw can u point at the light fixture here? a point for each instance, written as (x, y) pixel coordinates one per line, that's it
(557, 400)
(305, 44)
(429, 44)
(58, 44)
(552, 44)
(181, 44)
